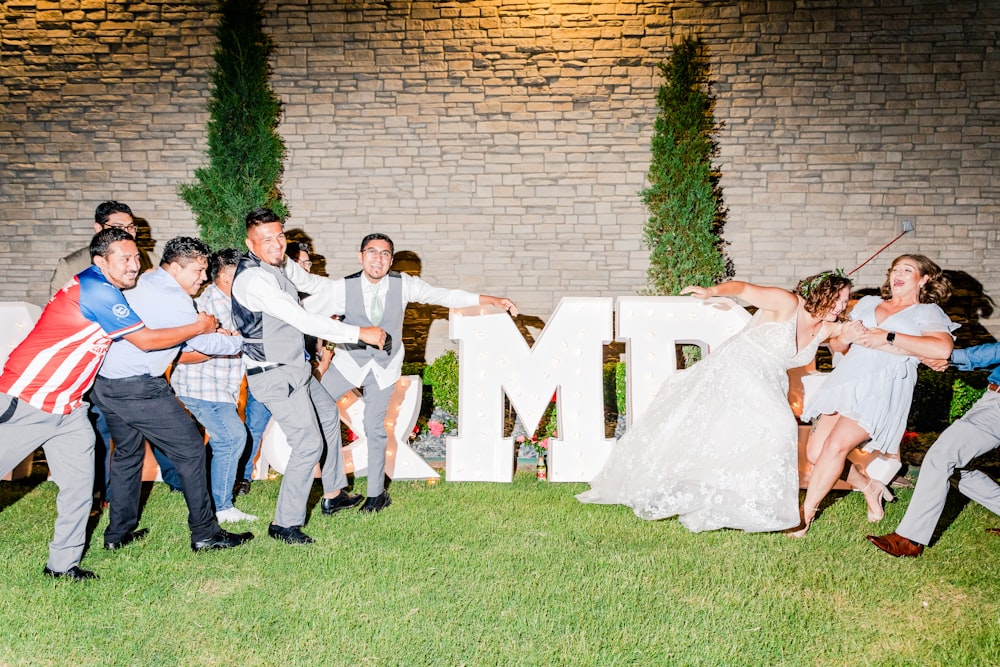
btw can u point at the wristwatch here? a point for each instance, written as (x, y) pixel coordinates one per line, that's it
(890, 337)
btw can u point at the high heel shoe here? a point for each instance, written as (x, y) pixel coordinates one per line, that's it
(808, 514)
(881, 493)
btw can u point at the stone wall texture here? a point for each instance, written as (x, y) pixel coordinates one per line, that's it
(503, 142)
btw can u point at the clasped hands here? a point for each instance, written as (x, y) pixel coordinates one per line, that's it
(374, 336)
(855, 332)
(208, 323)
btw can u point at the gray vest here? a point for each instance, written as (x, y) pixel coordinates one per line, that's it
(392, 318)
(268, 338)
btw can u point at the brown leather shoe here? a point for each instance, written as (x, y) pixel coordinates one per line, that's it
(896, 545)
(993, 531)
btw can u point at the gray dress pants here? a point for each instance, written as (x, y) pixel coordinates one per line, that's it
(69, 451)
(309, 419)
(376, 405)
(975, 434)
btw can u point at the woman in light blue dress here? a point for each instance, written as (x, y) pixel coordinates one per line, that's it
(866, 399)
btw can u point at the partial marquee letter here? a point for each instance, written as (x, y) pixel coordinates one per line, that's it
(653, 326)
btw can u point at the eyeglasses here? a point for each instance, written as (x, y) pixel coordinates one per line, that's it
(305, 264)
(130, 228)
(372, 253)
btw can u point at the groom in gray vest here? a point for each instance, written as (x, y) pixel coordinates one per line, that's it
(376, 296)
(267, 312)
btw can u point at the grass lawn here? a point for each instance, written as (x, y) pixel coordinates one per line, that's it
(495, 574)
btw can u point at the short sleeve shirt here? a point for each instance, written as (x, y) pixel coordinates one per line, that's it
(55, 365)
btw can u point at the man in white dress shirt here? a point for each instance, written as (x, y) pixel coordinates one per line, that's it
(267, 313)
(376, 296)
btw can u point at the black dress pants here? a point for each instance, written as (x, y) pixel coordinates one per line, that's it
(141, 408)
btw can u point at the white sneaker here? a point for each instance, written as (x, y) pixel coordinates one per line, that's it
(232, 515)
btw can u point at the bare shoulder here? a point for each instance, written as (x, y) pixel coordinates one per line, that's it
(779, 303)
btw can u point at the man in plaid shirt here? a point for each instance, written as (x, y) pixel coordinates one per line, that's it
(210, 386)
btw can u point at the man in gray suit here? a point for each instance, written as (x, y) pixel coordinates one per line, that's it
(377, 296)
(267, 313)
(975, 434)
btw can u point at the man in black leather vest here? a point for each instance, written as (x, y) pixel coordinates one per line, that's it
(267, 312)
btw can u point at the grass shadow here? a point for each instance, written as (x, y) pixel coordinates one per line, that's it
(953, 506)
(14, 490)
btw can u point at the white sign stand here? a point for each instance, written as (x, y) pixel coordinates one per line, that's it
(401, 462)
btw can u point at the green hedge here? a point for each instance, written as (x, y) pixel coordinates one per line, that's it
(941, 398)
(442, 376)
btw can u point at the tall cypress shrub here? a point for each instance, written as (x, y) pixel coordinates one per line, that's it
(245, 151)
(684, 199)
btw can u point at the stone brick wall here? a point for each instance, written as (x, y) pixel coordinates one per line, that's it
(503, 142)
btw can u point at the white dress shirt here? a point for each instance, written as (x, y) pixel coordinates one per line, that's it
(259, 291)
(333, 300)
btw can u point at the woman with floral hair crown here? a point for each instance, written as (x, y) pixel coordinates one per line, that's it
(866, 399)
(718, 445)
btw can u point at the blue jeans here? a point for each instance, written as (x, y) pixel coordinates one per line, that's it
(102, 452)
(257, 418)
(227, 437)
(168, 471)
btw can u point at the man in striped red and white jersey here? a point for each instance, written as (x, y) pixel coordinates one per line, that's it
(44, 379)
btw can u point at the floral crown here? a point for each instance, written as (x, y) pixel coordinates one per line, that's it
(811, 284)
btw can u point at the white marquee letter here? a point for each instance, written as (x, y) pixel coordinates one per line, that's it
(653, 326)
(494, 358)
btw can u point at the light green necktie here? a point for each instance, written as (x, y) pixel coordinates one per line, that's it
(376, 306)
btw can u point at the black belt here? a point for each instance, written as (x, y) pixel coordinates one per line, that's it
(260, 369)
(145, 377)
(9, 412)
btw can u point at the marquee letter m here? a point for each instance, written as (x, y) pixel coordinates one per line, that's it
(494, 360)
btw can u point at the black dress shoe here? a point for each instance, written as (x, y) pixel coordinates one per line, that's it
(222, 540)
(242, 488)
(133, 536)
(291, 535)
(75, 573)
(376, 503)
(342, 501)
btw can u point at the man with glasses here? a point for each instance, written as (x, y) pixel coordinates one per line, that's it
(376, 296)
(108, 214)
(319, 356)
(298, 252)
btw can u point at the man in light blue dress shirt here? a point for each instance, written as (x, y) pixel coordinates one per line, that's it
(139, 403)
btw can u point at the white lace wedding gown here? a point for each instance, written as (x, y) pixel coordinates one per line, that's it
(718, 445)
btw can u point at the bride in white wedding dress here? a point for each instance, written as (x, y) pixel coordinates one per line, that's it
(718, 446)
